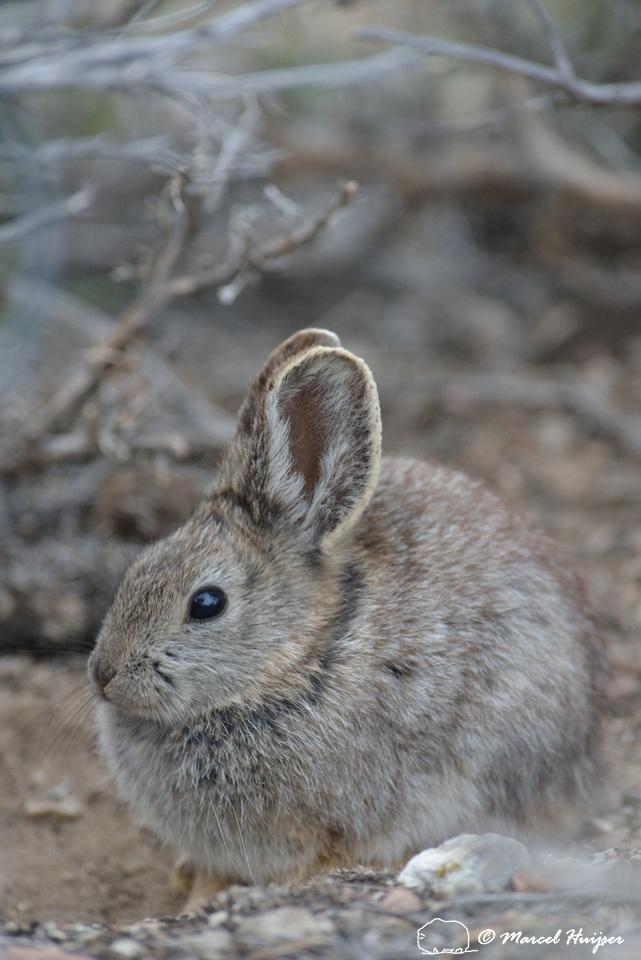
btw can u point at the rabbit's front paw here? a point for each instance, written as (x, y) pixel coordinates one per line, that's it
(204, 887)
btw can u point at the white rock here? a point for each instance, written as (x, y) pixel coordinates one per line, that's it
(217, 918)
(127, 949)
(467, 864)
(61, 808)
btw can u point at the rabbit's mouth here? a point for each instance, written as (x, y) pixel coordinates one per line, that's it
(138, 688)
(159, 712)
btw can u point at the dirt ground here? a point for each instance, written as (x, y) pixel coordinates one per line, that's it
(92, 864)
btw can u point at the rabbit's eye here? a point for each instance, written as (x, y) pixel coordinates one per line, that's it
(207, 603)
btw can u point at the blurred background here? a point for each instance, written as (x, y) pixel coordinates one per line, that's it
(178, 192)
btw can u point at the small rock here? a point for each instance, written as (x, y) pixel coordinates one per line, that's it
(599, 825)
(86, 932)
(209, 944)
(467, 864)
(15, 928)
(40, 953)
(401, 900)
(37, 778)
(285, 923)
(64, 808)
(530, 881)
(217, 918)
(151, 926)
(126, 948)
(53, 932)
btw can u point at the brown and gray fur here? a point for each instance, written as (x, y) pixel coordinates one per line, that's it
(401, 658)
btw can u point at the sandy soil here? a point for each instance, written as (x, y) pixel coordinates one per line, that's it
(93, 865)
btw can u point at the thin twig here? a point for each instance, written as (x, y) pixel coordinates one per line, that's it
(46, 65)
(553, 165)
(71, 206)
(281, 246)
(570, 394)
(213, 425)
(169, 21)
(327, 75)
(231, 148)
(493, 118)
(555, 43)
(261, 256)
(159, 291)
(131, 322)
(176, 81)
(140, 15)
(621, 94)
(149, 150)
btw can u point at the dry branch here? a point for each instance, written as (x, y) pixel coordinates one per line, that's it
(595, 409)
(149, 150)
(73, 393)
(212, 423)
(259, 258)
(554, 166)
(160, 289)
(179, 82)
(561, 76)
(20, 227)
(129, 63)
(553, 37)
(168, 21)
(121, 62)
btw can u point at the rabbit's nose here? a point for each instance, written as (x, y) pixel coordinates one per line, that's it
(102, 673)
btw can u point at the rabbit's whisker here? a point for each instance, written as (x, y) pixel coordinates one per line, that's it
(67, 729)
(231, 859)
(243, 845)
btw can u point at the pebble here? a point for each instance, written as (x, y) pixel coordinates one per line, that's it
(53, 932)
(208, 945)
(467, 864)
(126, 948)
(65, 808)
(217, 918)
(531, 881)
(401, 900)
(285, 923)
(599, 825)
(39, 953)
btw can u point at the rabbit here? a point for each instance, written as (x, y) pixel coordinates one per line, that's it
(339, 659)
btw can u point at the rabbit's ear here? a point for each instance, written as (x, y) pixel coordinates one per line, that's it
(320, 434)
(283, 354)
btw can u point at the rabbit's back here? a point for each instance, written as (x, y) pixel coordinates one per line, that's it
(483, 641)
